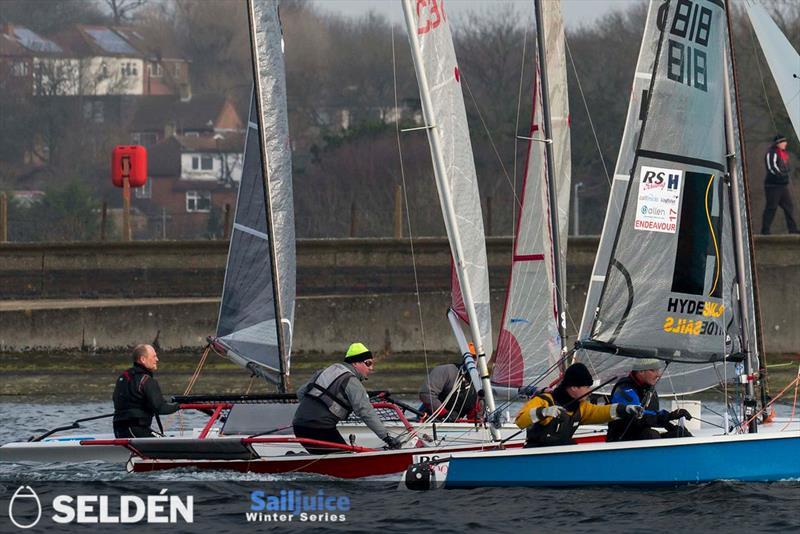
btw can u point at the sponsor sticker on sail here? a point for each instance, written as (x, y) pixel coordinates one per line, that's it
(658, 200)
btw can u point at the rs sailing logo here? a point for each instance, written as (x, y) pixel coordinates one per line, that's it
(21, 496)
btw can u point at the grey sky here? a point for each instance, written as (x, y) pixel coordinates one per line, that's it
(576, 12)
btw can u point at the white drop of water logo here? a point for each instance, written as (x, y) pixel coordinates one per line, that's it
(25, 492)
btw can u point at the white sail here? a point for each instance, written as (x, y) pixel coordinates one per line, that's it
(456, 178)
(257, 308)
(529, 345)
(783, 59)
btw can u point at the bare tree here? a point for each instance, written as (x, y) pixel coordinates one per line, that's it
(121, 10)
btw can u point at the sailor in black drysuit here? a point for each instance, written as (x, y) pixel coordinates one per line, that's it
(639, 388)
(331, 396)
(138, 398)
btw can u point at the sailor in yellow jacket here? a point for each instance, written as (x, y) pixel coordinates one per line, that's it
(552, 418)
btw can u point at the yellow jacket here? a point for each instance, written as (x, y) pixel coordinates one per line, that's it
(589, 413)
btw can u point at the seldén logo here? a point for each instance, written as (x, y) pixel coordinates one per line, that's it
(100, 509)
(20, 506)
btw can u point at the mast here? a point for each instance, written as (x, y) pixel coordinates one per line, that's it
(738, 233)
(255, 10)
(449, 213)
(551, 185)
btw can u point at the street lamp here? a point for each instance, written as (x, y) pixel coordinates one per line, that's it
(576, 222)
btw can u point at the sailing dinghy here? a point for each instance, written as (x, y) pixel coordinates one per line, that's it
(678, 283)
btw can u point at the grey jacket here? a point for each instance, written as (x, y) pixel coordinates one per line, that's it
(314, 413)
(441, 379)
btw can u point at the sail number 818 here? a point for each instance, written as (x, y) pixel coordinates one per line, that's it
(687, 61)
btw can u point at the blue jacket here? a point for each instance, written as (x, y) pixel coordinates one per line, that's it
(629, 391)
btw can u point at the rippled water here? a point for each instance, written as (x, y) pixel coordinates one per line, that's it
(222, 499)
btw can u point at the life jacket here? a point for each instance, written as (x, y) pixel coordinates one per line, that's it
(129, 400)
(329, 388)
(648, 398)
(463, 400)
(558, 431)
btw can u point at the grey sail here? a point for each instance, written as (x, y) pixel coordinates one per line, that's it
(257, 309)
(670, 289)
(622, 171)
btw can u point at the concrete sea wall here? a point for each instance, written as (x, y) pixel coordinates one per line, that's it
(113, 295)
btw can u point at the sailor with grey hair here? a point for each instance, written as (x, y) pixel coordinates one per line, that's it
(639, 387)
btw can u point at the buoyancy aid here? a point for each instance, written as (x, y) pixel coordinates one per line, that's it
(558, 431)
(329, 388)
(130, 404)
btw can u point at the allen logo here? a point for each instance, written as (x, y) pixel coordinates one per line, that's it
(21, 503)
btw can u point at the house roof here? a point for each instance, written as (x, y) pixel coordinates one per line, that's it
(155, 48)
(199, 114)
(227, 142)
(19, 40)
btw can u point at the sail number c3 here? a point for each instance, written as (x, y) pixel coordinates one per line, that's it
(430, 14)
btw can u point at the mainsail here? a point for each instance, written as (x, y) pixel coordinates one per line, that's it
(782, 58)
(530, 345)
(671, 288)
(458, 185)
(257, 309)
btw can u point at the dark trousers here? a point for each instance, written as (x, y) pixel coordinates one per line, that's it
(778, 196)
(125, 429)
(322, 434)
(673, 431)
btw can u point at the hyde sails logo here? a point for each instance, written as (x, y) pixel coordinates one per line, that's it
(658, 200)
(25, 508)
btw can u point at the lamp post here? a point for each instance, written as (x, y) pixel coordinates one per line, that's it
(576, 222)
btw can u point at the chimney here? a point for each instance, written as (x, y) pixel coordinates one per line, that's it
(169, 129)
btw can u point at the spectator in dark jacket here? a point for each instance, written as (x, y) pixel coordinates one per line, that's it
(776, 186)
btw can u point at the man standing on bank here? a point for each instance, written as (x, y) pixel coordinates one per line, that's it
(776, 186)
(332, 395)
(639, 388)
(138, 398)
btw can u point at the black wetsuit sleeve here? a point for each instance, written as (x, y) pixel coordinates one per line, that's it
(155, 400)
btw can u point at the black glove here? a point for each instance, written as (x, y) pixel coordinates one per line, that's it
(392, 442)
(677, 414)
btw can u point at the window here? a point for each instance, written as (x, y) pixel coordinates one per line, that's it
(146, 139)
(94, 111)
(20, 68)
(177, 70)
(198, 201)
(155, 70)
(146, 191)
(129, 69)
(204, 163)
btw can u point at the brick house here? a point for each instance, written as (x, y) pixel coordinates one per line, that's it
(191, 180)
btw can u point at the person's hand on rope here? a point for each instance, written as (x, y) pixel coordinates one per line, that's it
(677, 414)
(630, 410)
(392, 442)
(550, 411)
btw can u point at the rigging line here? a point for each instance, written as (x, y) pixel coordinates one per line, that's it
(713, 238)
(586, 107)
(794, 401)
(761, 78)
(491, 139)
(408, 213)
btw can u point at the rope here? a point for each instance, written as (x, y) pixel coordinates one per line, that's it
(794, 383)
(586, 107)
(408, 212)
(794, 401)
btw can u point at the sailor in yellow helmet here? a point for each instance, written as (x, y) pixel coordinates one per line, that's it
(332, 395)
